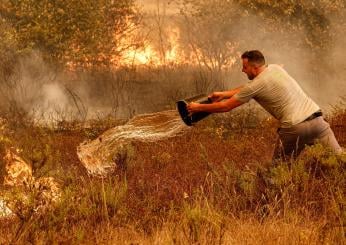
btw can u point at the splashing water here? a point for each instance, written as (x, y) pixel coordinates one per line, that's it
(4, 210)
(98, 155)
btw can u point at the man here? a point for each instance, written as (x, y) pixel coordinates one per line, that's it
(276, 91)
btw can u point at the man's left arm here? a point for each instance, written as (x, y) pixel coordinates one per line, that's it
(222, 106)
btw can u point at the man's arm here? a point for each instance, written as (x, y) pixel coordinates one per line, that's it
(218, 96)
(222, 106)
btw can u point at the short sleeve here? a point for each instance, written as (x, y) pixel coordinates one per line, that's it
(249, 91)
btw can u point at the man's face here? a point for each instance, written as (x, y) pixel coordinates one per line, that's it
(249, 69)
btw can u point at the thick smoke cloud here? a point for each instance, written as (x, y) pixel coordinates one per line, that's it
(320, 71)
(50, 94)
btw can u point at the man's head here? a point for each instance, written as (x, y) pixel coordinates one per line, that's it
(253, 63)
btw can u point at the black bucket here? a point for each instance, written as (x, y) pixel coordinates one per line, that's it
(195, 117)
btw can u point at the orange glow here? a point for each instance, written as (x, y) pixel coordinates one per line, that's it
(145, 56)
(171, 53)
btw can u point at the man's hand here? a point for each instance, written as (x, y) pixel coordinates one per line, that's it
(222, 106)
(216, 96)
(192, 108)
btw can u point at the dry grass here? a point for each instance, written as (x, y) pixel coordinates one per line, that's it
(214, 185)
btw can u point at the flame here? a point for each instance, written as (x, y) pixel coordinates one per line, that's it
(171, 53)
(145, 56)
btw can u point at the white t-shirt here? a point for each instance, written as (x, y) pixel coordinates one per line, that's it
(278, 93)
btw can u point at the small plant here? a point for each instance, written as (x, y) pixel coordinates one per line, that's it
(202, 223)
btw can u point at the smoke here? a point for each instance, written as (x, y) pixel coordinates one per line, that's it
(51, 94)
(310, 49)
(52, 104)
(38, 89)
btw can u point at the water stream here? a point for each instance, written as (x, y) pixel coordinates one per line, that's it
(98, 155)
(4, 210)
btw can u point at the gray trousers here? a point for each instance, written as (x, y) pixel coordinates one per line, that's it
(292, 140)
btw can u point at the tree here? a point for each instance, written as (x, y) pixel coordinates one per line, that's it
(316, 20)
(203, 29)
(78, 32)
(219, 30)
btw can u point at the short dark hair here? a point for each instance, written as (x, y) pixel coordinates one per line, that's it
(254, 57)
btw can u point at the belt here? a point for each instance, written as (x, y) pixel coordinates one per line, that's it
(314, 115)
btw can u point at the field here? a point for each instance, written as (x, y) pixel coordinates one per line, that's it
(71, 71)
(213, 185)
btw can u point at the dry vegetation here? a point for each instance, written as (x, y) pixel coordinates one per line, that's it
(214, 185)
